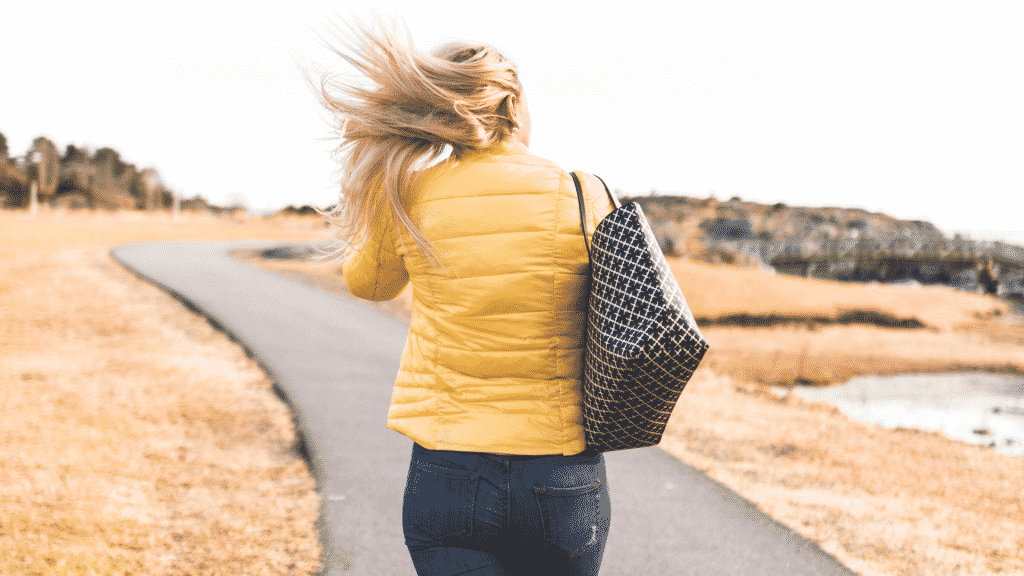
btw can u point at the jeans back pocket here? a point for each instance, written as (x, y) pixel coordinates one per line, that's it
(439, 505)
(571, 517)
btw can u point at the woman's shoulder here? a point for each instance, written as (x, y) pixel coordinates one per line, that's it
(512, 153)
(503, 165)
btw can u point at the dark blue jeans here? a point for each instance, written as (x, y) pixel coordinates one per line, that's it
(472, 513)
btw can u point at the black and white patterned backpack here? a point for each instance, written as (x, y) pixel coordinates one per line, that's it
(643, 344)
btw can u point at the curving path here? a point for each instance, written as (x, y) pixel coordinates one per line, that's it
(335, 360)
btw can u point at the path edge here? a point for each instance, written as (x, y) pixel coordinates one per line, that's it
(748, 507)
(302, 432)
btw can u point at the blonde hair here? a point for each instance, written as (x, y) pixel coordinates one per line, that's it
(416, 108)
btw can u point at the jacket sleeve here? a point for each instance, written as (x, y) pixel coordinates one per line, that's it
(376, 271)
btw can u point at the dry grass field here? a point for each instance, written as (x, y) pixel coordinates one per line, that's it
(136, 439)
(716, 291)
(784, 330)
(884, 502)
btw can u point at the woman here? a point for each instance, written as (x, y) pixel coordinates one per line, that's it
(490, 239)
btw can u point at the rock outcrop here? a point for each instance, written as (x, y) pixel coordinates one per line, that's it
(828, 242)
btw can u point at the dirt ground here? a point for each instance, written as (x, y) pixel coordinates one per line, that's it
(136, 439)
(884, 502)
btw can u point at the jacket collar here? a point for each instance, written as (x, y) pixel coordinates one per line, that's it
(507, 147)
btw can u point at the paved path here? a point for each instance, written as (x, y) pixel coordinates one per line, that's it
(335, 360)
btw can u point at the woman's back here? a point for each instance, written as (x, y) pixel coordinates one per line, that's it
(494, 354)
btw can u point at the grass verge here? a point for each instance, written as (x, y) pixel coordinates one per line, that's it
(136, 439)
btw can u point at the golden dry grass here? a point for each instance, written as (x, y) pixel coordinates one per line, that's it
(963, 331)
(716, 290)
(786, 355)
(883, 502)
(136, 439)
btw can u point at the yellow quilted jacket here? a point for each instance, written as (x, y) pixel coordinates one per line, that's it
(493, 359)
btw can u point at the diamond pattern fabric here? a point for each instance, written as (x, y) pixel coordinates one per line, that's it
(643, 344)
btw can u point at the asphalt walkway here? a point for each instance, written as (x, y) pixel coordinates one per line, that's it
(334, 360)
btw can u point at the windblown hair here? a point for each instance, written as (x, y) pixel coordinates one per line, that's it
(415, 108)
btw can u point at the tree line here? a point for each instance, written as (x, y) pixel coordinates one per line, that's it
(78, 179)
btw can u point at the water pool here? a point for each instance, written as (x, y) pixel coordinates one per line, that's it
(978, 408)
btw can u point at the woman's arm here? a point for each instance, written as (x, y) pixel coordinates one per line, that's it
(376, 271)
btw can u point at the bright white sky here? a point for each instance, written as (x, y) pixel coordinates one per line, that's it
(915, 109)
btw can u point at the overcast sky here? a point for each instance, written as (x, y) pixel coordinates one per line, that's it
(915, 109)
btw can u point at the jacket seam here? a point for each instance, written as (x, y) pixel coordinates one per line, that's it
(377, 273)
(518, 349)
(434, 340)
(556, 348)
(587, 208)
